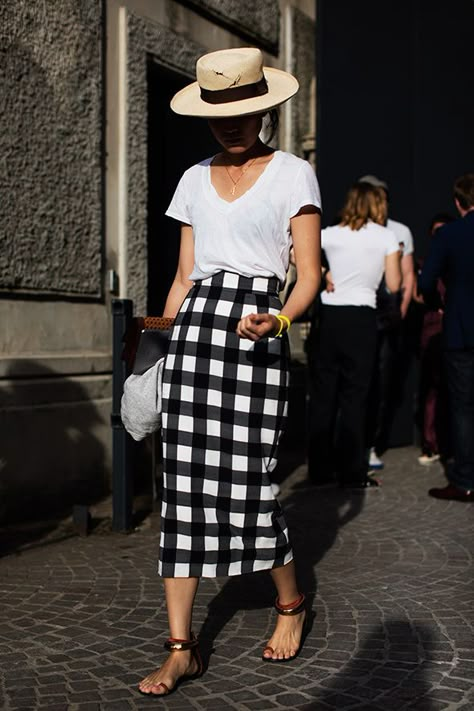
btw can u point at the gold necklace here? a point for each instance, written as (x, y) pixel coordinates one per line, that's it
(244, 170)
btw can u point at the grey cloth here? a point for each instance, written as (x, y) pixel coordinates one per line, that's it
(142, 401)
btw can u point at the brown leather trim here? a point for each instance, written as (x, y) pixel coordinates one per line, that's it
(294, 608)
(235, 93)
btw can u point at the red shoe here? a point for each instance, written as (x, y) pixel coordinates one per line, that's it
(452, 493)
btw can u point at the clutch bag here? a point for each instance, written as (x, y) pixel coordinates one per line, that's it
(146, 342)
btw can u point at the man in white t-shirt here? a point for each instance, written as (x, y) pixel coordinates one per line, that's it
(381, 410)
(405, 240)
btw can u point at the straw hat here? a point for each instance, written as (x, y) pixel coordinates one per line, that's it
(234, 82)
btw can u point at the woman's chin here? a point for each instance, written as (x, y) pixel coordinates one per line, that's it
(235, 148)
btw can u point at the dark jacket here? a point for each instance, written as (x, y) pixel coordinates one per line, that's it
(451, 257)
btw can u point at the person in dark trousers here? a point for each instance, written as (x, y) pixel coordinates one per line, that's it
(358, 250)
(451, 257)
(432, 404)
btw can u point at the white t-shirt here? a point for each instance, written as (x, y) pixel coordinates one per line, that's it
(251, 235)
(403, 234)
(357, 262)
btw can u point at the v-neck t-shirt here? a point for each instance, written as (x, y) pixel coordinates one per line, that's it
(251, 235)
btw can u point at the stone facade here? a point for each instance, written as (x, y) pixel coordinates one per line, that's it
(50, 142)
(257, 21)
(304, 67)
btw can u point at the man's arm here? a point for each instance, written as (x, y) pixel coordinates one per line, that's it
(434, 264)
(408, 282)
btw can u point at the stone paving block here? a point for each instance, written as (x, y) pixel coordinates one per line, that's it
(446, 695)
(48, 701)
(78, 697)
(429, 704)
(51, 689)
(86, 685)
(113, 694)
(340, 701)
(260, 705)
(461, 684)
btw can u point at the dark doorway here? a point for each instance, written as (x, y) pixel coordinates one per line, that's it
(174, 144)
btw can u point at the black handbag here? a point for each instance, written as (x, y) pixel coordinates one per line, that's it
(146, 342)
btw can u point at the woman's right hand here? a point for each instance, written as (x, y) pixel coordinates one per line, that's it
(257, 326)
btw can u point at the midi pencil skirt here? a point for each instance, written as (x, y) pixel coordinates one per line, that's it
(224, 408)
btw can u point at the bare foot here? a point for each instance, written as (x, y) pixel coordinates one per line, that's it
(286, 639)
(163, 680)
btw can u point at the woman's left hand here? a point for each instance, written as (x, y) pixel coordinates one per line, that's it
(257, 326)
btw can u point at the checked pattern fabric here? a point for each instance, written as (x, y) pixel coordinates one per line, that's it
(224, 407)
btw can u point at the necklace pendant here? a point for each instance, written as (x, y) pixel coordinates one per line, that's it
(232, 192)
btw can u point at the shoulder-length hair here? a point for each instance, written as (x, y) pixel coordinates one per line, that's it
(364, 202)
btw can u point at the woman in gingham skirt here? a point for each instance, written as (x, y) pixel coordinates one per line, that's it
(225, 381)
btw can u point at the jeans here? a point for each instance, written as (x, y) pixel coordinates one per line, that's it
(460, 381)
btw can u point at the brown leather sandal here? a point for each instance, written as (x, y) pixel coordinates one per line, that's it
(180, 645)
(294, 608)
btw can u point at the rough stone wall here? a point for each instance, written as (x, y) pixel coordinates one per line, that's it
(304, 67)
(176, 52)
(50, 147)
(258, 21)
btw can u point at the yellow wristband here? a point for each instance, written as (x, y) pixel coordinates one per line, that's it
(284, 321)
(278, 333)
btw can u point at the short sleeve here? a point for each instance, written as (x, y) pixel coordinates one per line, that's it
(179, 205)
(323, 238)
(305, 190)
(392, 243)
(408, 247)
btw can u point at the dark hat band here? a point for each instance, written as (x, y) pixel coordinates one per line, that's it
(236, 93)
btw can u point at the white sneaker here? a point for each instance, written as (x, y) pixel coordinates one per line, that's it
(427, 459)
(374, 461)
(276, 489)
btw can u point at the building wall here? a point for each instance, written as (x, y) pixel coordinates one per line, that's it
(54, 351)
(74, 144)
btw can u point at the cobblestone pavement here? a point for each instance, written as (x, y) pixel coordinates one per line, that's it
(390, 571)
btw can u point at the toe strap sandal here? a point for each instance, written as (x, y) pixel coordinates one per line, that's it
(182, 645)
(293, 608)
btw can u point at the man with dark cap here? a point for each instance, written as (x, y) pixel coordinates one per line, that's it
(451, 256)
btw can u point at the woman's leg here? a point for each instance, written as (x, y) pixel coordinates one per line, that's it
(180, 594)
(286, 638)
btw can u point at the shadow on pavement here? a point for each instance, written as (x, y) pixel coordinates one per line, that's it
(391, 670)
(314, 517)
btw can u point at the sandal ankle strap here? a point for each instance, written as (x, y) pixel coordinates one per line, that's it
(294, 608)
(180, 645)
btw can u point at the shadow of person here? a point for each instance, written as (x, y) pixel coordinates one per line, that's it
(52, 452)
(314, 517)
(392, 669)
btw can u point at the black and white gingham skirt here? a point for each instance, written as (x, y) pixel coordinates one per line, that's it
(224, 408)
